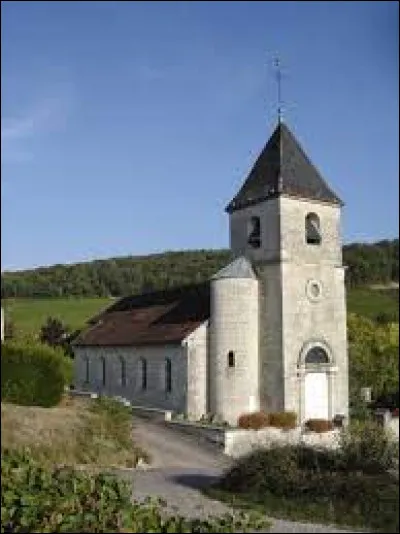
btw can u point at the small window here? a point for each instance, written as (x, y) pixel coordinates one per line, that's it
(254, 233)
(103, 370)
(87, 369)
(143, 372)
(313, 231)
(123, 371)
(168, 375)
(231, 359)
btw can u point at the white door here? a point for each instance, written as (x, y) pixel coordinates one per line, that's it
(316, 396)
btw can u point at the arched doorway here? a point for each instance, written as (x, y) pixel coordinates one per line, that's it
(316, 384)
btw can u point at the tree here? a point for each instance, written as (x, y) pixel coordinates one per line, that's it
(54, 333)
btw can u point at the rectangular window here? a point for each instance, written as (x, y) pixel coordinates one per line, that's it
(231, 359)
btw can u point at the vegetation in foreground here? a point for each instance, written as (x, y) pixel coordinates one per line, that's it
(38, 499)
(352, 485)
(97, 433)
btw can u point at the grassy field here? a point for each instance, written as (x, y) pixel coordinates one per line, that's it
(77, 432)
(371, 302)
(29, 315)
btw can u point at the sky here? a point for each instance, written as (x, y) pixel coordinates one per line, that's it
(127, 127)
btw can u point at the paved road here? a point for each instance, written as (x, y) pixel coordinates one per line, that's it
(181, 466)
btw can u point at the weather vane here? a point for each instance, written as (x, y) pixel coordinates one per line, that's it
(277, 66)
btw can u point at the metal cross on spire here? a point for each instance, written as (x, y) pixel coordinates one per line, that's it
(277, 66)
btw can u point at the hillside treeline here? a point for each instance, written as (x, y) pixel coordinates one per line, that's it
(376, 263)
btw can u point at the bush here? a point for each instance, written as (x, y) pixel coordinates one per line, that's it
(284, 420)
(34, 499)
(33, 374)
(253, 421)
(319, 425)
(367, 447)
(312, 483)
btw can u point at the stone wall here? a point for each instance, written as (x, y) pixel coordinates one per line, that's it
(155, 394)
(234, 322)
(308, 319)
(240, 442)
(197, 372)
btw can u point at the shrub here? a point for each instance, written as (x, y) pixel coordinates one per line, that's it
(34, 499)
(367, 447)
(319, 425)
(253, 421)
(285, 420)
(33, 374)
(306, 481)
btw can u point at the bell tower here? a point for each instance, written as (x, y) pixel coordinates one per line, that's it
(285, 220)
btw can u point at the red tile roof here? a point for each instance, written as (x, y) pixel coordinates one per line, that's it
(153, 318)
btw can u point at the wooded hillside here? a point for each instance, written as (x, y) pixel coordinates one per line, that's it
(376, 263)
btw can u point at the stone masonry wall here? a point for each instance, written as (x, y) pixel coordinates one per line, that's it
(234, 327)
(155, 395)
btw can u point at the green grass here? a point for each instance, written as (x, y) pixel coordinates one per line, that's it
(371, 302)
(29, 315)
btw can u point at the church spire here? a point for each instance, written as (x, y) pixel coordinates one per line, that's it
(278, 74)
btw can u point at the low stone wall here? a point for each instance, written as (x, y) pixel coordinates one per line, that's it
(152, 413)
(240, 442)
(214, 435)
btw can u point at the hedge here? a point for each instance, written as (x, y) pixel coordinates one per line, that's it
(33, 374)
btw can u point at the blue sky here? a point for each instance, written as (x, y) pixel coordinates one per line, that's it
(128, 126)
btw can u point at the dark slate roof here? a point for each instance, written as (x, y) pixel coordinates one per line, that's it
(282, 167)
(152, 318)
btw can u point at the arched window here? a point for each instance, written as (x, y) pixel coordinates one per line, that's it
(122, 364)
(316, 356)
(87, 369)
(143, 373)
(254, 232)
(313, 231)
(231, 359)
(103, 370)
(168, 375)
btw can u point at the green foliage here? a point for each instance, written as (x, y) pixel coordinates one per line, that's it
(372, 262)
(56, 334)
(35, 499)
(33, 375)
(366, 447)
(324, 484)
(53, 332)
(368, 264)
(373, 358)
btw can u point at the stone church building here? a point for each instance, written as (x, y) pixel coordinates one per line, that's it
(266, 332)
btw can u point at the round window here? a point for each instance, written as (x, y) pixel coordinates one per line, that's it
(313, 290)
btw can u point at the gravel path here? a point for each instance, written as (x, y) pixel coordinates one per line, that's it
(181, 467)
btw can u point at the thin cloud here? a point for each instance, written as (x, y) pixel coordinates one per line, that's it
(18, 132)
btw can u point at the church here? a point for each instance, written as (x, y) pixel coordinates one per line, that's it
(267, 332)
